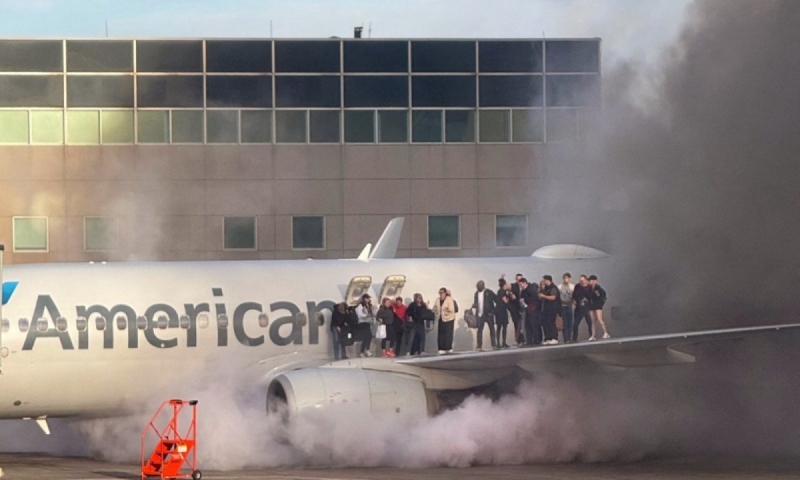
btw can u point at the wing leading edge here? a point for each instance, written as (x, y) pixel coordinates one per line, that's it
(641, 351)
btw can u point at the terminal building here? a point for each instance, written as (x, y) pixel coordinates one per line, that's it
(209, 149)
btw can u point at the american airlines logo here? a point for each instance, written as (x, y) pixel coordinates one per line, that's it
(8, 290)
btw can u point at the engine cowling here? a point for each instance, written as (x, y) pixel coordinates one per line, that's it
(353, 390)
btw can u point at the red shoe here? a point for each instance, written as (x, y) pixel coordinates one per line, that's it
(391, 353)
(385, 354)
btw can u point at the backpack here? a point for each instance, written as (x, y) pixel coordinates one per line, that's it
(455, 304)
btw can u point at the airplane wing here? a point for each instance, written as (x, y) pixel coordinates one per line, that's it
(641, 351)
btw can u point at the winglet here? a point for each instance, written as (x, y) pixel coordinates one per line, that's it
(364, 255)
(390, 239)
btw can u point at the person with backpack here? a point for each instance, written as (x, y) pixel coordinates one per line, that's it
(597, 300)
(445, 310)
(551, 306)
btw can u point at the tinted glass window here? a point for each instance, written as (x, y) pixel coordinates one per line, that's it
(297, 91)
(426, 126)
(361, 56)
(153, 126)
(47, 127)
(308, 232)
(231, 91)
(187, 126)
(30, 56)
(359, 126)
(31, 91)
(83, 127)
(14, 126)
(527, 125)
(238, 56)
(511, 91)
(393, 126)
(100, 91)
(459, 126)
(517, 56)
(573, 90)
(511, 230)
(323, 126)
(573, 56)
(290, 126)
(376, 91)
(117, 126)
(494, 125)
(30, 234)
(240, 233)
(444, 231)
(443, 56)
(170, 91)
(169, 56)
(256, 126)
(99, 56)
(443, 91)
(307, 56)
(222, 126)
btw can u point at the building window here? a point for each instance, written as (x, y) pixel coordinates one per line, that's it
(308, 233)
(100, 234)
(256, 126)
(239, 233)
(359, 126)
(527, 125)
(83, 127)
(162, 91)
(29, 91)
(222, 126)
(444, 231)
(30, 234)
(290, 126)
(459, 126)
(426, 126)
(47, 127)
(117, 126)
(393, 126)
(307, 91)
(153, 126)
(494, 125)
(511, 230)
(187, 126)
(14, 127)
(323, 126)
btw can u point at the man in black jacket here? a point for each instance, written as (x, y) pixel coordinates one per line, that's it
(596, 303)
(515, 309)
(580, 297)
(529, 301)
(551, 304)
(483, 303)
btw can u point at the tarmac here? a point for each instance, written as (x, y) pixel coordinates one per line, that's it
(42, 467)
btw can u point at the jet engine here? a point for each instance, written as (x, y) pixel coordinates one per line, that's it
(351, 390)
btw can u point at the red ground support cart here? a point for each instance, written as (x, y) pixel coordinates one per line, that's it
(175, 454)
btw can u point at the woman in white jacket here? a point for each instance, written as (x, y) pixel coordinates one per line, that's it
(366, 319)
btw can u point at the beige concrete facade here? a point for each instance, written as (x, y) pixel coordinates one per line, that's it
(169, 201)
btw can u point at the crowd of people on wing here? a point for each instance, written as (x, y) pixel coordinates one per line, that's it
(538, 311)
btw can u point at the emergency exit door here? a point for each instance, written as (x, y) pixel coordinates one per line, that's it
(393, 287)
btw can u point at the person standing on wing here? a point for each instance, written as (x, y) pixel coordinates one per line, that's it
(445, 310)
(566, 290)
(596, 302)
(483, 303)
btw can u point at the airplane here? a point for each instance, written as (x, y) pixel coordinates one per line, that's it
(103, 339)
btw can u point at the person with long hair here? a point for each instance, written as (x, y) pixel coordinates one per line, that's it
(385, 317)
(366, 319)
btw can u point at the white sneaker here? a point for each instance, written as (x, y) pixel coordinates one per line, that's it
(554, 342)
(591, 339)
(442, 352)
(369, 354)
(449, 351)
(606, 336)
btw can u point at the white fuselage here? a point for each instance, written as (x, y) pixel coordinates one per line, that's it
(131, 360)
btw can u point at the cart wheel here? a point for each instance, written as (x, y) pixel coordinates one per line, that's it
(197, 475)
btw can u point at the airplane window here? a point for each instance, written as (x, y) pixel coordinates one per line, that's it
(6, 324)
(263, 320)
(320, 318)
(41, 324)
(100, 323)
(80, 324)
(122, 322)
(163, 322)
(61, 324)
(23, 325)
(141, 322)
(202, 320)
(184, 321)
(222, 321)
(301, 319)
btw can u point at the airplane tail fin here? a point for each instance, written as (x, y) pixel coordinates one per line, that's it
(389, 241)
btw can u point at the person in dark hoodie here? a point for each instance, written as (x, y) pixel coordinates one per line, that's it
(551, 305)
(596, 302)
(501, 313)
(580, 297)
(529, 299)
(418, 314)
(385, 317)
(338, 322)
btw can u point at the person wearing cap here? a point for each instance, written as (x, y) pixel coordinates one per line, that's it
(483, 304)
(596, 302)
(445, 310)
(366, 319)
(580, 298)
(550, 298)
(566, 290)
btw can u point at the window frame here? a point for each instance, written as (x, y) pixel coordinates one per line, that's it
(14, 233)
(527, 224)
(255, 234)
(428, 231)
(324, 233)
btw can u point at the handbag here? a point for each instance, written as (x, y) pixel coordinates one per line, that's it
(471, 319)
(380, 333)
